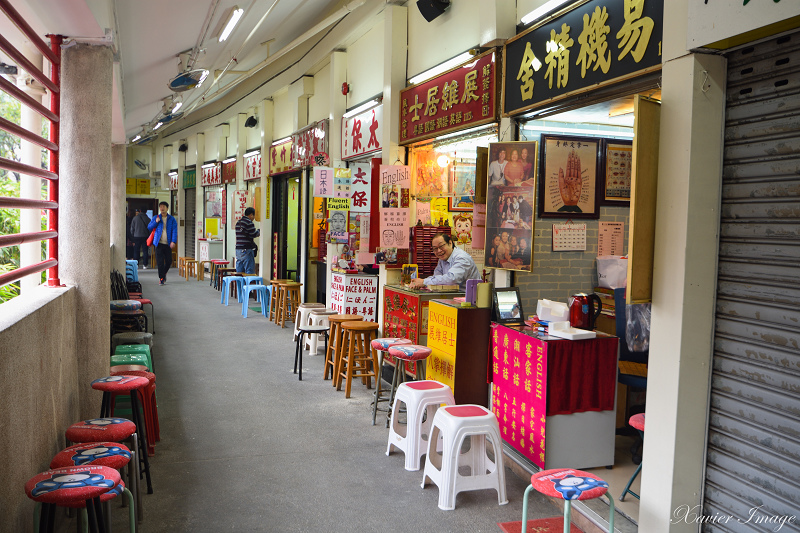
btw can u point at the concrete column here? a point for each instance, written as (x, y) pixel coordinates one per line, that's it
(181, 201)
(338, 103)
(265, 122)
(117, 220)
(395, 49)
(299, 92)
(497, 21)
(85, 206)
(199, 209)
(30, 220)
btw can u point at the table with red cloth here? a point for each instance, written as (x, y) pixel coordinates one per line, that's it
(554, 398)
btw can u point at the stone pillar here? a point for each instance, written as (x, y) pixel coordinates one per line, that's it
(265, 122)
(299, 91)
(395, 47)
(118, 207)
(338, 106)
(85, 206)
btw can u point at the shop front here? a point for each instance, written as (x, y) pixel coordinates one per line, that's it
(190, 211)
(211, 230)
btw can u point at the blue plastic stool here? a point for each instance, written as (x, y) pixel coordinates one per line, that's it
(226, 282)
(131, 270)
(262, 295)
(251, 280)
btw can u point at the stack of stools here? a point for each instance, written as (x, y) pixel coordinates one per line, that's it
(289, 300)
(568, 485)
(149, 405)
(358, 359)
(421, 400)
(334, 348)
(215, 264)
(275, 300)
(71, 486)
(131, 270)
(317, 317)
(302, 317)
(401, 354)
(454, 423)
(127, 315)
(110, 454)
(637, 422)
(231, 284)
(380, 346)
(132, 337)
(190, 270)
(134, 385)
(133, 354)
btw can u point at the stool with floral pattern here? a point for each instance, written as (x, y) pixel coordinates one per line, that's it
(382, 345)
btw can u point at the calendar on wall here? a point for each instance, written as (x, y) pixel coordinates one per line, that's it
(569, 237)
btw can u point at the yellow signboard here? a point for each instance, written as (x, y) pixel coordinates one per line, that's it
(339, 203)
(130, 186)
(441, 365)
(142, 186)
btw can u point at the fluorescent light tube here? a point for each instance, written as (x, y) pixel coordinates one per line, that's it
(281, 141)
(229, 160)
(252, 152)
(209, 165)
(158, 126)
(362, 107)
(588, 133)
(541, 10)
(438, 69)
(234, 17)
(177, 106)
(136, 138)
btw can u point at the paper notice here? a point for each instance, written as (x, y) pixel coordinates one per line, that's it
(611, 238)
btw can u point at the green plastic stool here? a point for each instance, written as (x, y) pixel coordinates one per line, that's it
(142, 349)
(132, 359)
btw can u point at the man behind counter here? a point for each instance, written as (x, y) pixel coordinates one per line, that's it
(455, 265)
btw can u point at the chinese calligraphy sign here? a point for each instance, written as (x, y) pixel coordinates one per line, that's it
(600, 42)
(361, 134)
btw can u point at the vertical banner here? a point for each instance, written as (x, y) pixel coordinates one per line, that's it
(360, 188)
(394, 228)
(519, 396)
(341, 183)
(323, 182)
(363, 241)
(319, 220)
(442, 321)
(394, 178)
(240, 201)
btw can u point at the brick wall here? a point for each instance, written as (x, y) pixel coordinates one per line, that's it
(558, 275)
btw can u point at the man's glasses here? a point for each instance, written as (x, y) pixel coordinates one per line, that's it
(440, 247)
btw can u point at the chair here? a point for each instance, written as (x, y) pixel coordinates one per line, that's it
(403, 354)
(215, 264)
(120, 291)
(637, 422)
(453, 424)
(568, 485)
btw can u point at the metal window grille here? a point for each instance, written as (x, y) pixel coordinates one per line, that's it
(52, 83)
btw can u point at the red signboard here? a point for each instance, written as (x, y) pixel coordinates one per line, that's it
(461, 98)
(229, 172)
(211, 176)
(309, 142)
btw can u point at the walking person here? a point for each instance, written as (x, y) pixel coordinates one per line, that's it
(245, 245)
(165, 239)
(139, 231)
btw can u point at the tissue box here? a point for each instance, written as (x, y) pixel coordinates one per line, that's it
(563, 330)
(550, 311)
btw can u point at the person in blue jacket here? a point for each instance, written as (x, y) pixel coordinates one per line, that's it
(165, 239)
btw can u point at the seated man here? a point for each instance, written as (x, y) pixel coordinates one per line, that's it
(455, 265)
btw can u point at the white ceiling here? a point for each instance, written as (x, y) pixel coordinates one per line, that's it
(149, 35)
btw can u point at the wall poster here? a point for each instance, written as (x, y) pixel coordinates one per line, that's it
(568, 185)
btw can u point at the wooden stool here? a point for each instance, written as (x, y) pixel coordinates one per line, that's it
(221, 273)
(215, 264)
(357, 354)
(290, 300)
(332, 352)
(190, 268)
(201, 269)
(275, 300)
(182, 265)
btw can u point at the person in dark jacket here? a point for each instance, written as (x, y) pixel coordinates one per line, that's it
(245, 245)
(138, 229)
(165, 239)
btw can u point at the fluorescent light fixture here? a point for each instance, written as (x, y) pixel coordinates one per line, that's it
(363, 107)
(251, 152)
(158, 126)
(136, 138)
(438, 69)
(209, 165)
(173, 174)
(229, 160)
(233, 18)
(177, 106)
(202, 78)
(541, 10)
(588, 133)
(281, 141)
(464, 132)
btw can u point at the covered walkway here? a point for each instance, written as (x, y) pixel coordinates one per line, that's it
(247, 447)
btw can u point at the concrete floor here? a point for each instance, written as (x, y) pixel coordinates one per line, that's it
(245, 446)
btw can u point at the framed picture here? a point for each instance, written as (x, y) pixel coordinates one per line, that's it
(568, 184)
(462, 187)
(510, 193)
(617, 167)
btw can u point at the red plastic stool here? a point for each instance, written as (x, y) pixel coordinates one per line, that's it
(71, 486)
(106, 498)
(149, 405)
(568, 485)
(382, 345)
(637, 422)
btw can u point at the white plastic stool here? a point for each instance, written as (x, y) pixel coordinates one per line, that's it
(454, 424)
(419, 397)
(303, 310)
(317, 317)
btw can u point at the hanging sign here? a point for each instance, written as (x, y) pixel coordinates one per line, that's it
(280, 157)
(189, 179)
(309, 141)
(341, 183)
(142, 186)
(130, 185)
(211, 175)
(323, 182)
(394, 180)
(598, 43)
(173, 182)
(241, 201)
(394, 228)
(229, 172)
(360, 190)
(252, 166)
(461, 98)
(361, 134)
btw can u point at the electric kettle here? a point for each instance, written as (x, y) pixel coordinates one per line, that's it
(582, 310)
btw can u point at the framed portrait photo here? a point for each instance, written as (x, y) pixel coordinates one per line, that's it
(617, 168)
(568, 180)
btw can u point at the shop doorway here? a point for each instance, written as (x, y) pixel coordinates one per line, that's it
(287, 229)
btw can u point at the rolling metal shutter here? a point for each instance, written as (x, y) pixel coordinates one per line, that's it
(188, 229)
(754, 424)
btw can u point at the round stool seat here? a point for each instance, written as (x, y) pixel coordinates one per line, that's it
(360, 325)
(428, 385)
(110, 495)
(311, 306)
(568, 484)
(344, 318)
(637, 421)
(387, 342)
(125, 305)
(120, 383)
(110, 454)
(101, 429)
(136, 370)
(410, 352)
(313, 328)
(322, 311)
(63, 486)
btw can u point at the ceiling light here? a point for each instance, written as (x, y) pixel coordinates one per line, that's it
(281, 141)
(443, 160)
(606, 133)
(363, 107)
(229, 160)
(467, 131)
(158, 126)
(173, 174)
(136, 138)
(178, 105)
(438, 69)
(541, 10)
(209, 165)
(234, 16)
